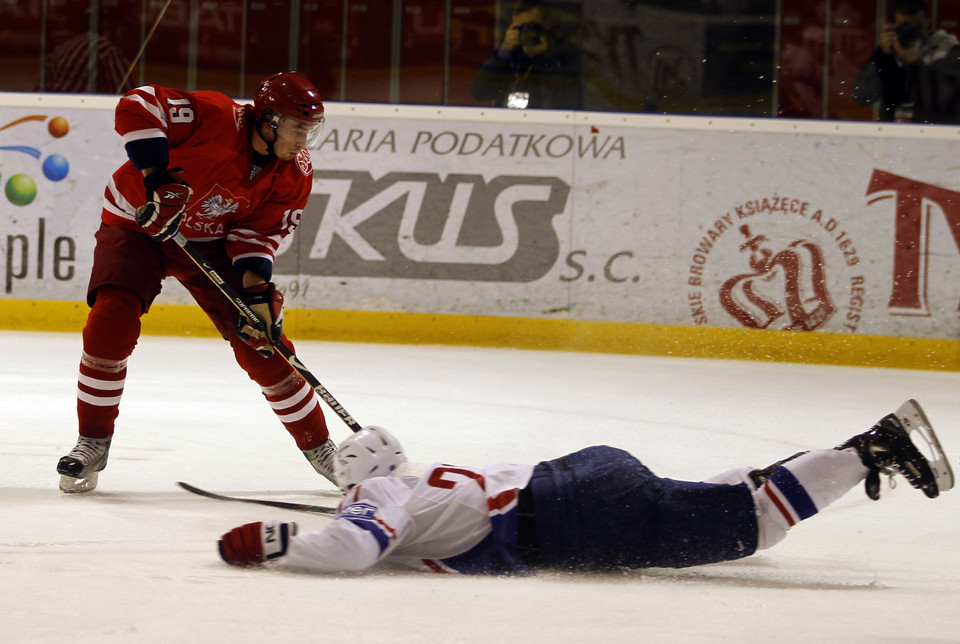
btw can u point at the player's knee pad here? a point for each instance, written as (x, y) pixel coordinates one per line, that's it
(113, 325)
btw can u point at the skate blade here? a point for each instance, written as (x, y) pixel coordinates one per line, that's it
(915, 421)
(70, 485)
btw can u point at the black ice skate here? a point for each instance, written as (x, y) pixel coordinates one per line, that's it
(78, 469)
(890, 448)
(322, 458)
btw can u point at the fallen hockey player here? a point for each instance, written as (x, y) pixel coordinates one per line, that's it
(598, 508)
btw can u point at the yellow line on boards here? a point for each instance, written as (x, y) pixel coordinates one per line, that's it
(530, 333)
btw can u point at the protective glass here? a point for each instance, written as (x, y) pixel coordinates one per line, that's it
(531, 33)
(304, 133)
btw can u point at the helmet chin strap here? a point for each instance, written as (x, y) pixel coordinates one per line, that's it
(269, 144)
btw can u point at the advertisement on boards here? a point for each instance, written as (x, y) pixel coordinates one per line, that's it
(54, 164)
(618, 218)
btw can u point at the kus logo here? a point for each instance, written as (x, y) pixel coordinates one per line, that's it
(421, 226)
(776, 262)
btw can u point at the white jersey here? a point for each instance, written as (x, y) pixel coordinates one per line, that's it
(449, 519)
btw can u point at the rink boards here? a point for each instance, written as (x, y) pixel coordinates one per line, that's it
(771, 239)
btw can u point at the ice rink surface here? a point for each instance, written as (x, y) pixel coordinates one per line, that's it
(136, 561)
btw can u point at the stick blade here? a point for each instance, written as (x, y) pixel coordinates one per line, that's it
(286, 505)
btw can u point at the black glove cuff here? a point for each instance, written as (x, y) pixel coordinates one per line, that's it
(258, 265)
(162, 177)
(148, 153)
(156, 179)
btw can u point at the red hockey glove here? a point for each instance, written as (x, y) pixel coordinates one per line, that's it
(254, 543)
(267, 302)
(167, 197)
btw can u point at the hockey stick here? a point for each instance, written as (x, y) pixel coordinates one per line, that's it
(300, 507)
(278, 344)
(143, 46)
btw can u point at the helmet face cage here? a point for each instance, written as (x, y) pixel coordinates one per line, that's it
(369, 453)
(291, 106)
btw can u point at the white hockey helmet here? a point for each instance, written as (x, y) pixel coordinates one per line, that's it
(368, 453)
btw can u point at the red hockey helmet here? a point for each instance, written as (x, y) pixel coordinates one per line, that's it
(290, 104)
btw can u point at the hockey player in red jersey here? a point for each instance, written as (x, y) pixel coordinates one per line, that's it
(233, 179)
(597, 508)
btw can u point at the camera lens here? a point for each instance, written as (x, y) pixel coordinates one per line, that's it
(531, 34)
(907, 35)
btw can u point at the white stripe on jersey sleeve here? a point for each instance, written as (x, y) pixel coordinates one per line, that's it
(151, 107)
(247, 236)
(139, 135)
(120, 206)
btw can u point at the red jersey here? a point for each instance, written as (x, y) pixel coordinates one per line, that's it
(210, 137)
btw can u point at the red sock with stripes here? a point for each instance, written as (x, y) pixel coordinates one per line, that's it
(109, 337)
(297, 406)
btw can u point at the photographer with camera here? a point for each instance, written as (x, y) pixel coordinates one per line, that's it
(914, 74)
(536, 66)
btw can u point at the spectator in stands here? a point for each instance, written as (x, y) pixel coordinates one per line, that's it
(914, 75)
(67, 68)
(536, 66)
(74, 40)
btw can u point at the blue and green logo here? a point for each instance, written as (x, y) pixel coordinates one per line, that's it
(21, 188)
